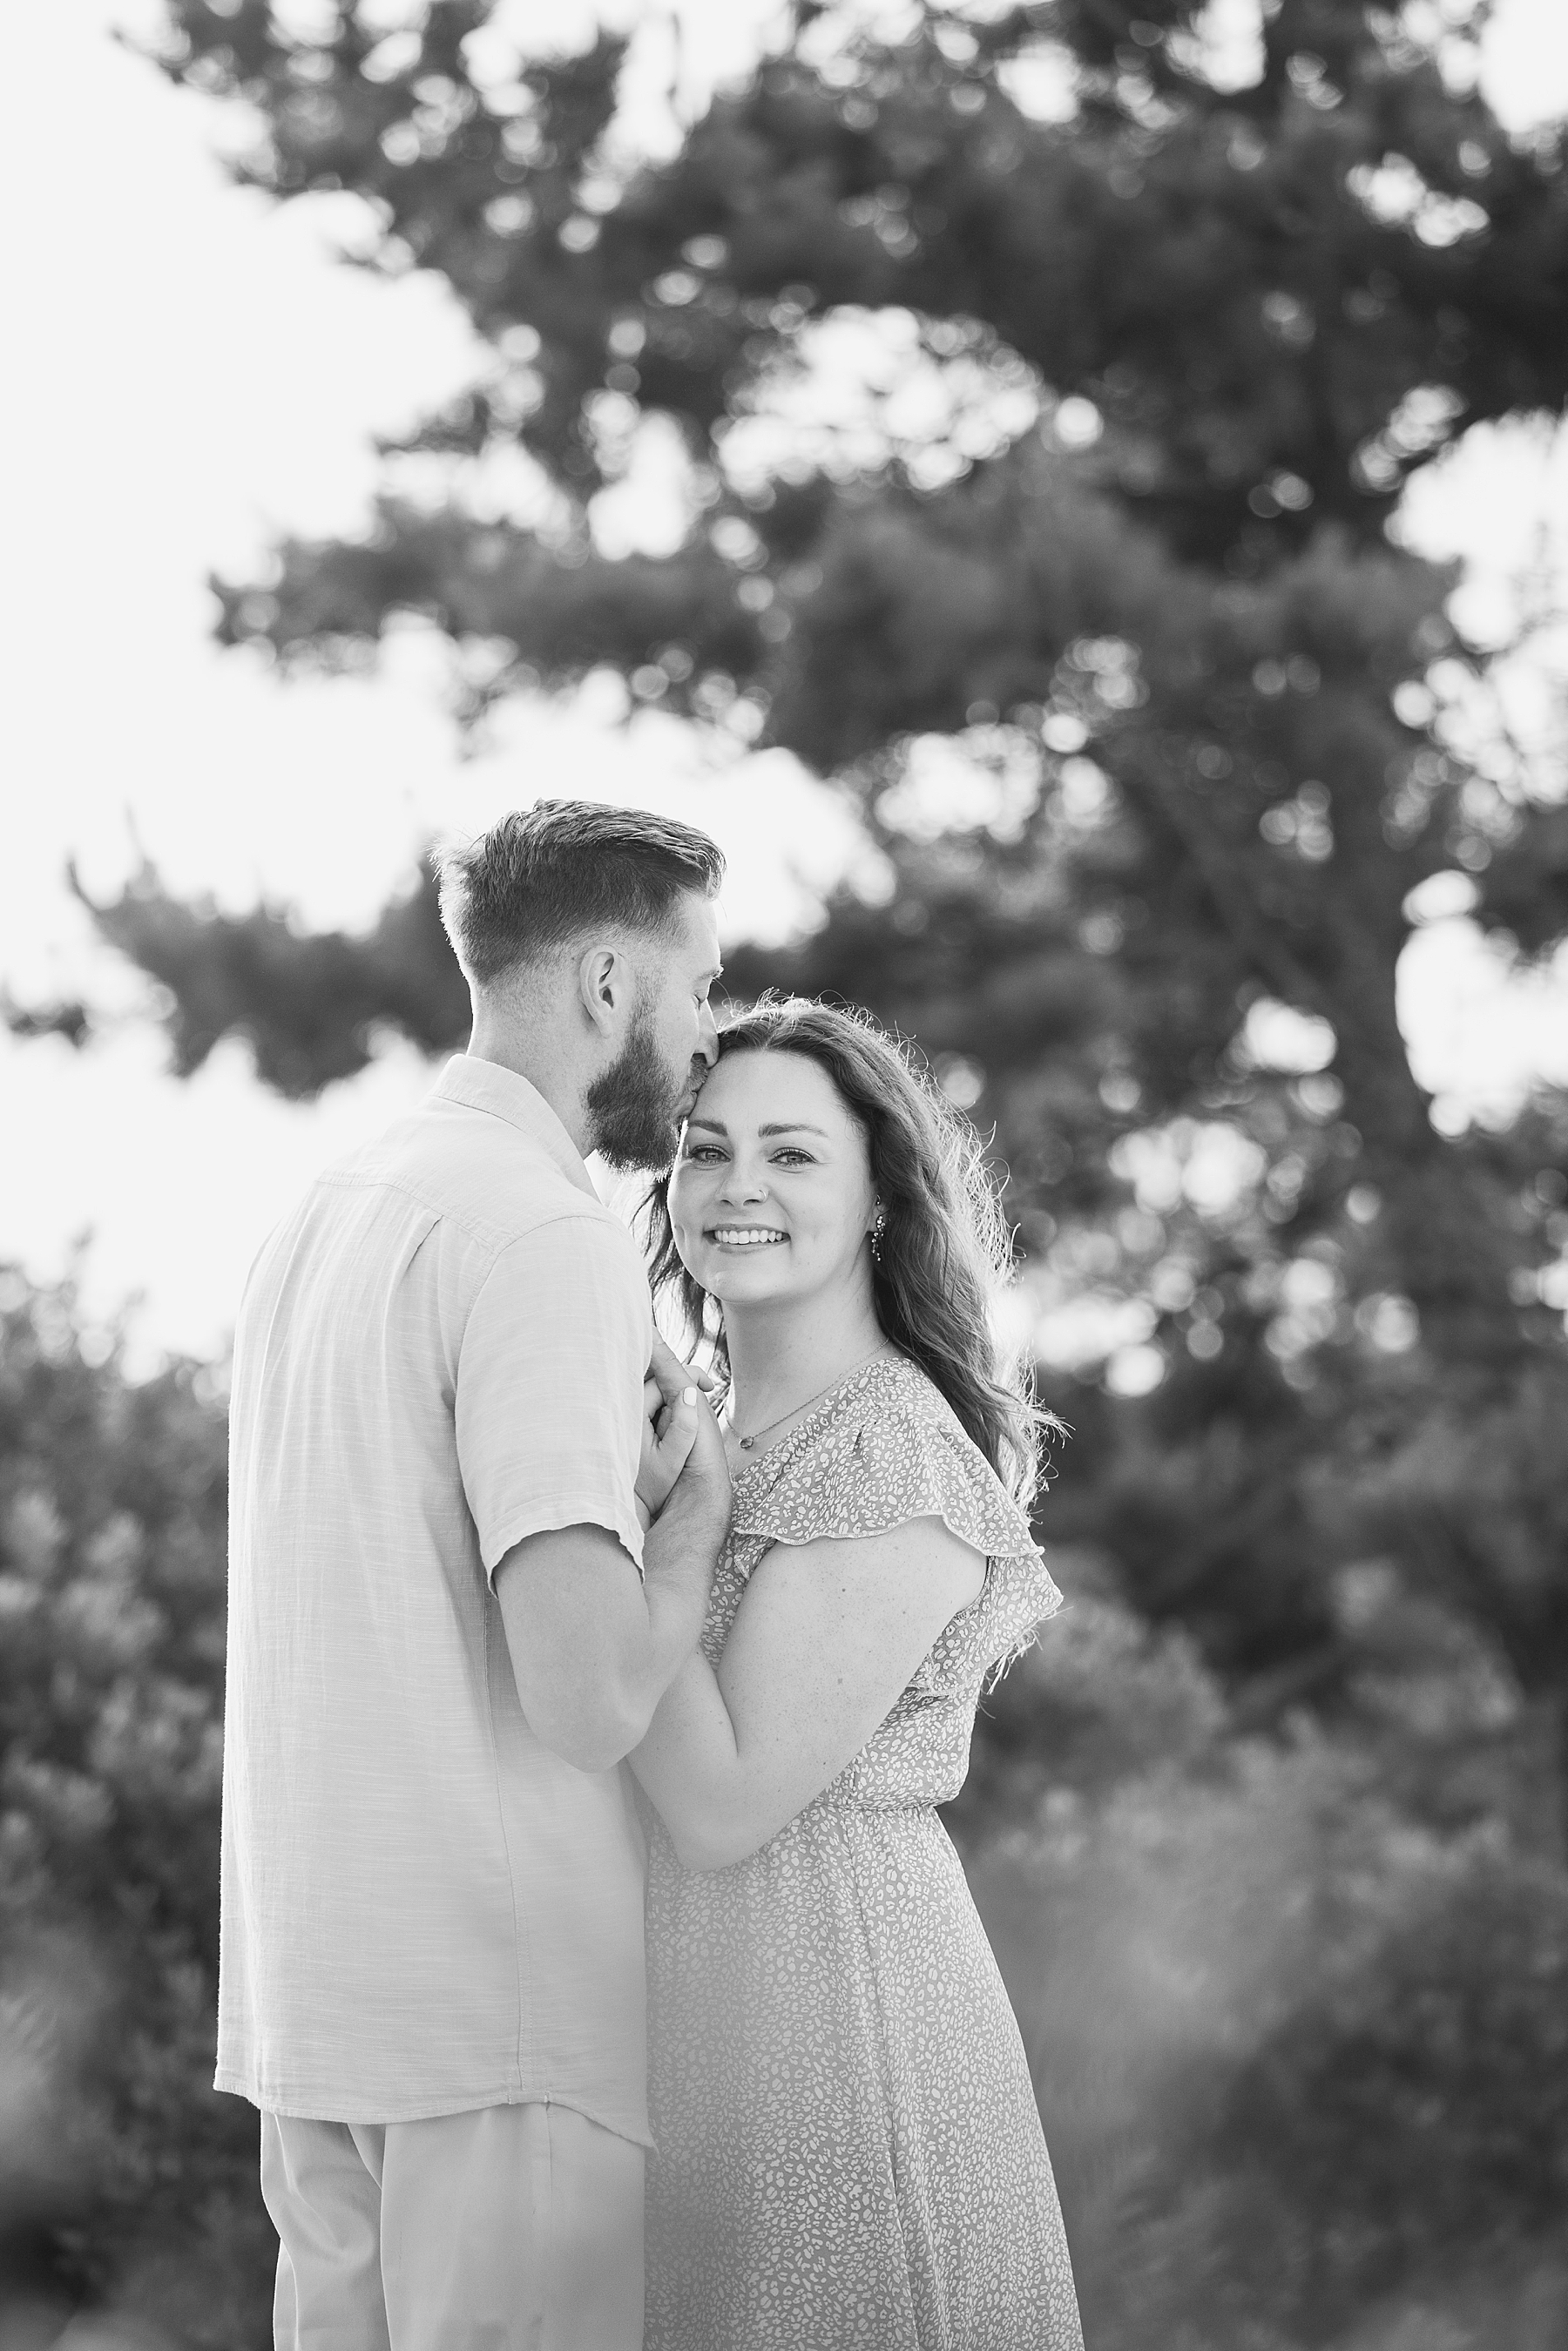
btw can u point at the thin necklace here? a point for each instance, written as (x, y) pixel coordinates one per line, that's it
(745, 1442)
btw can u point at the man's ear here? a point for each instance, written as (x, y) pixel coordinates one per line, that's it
(605, 986)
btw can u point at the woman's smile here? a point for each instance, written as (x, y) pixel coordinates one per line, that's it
(744, 1235)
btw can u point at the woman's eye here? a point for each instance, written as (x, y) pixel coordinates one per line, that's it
(792, 1156)
(702, 1152)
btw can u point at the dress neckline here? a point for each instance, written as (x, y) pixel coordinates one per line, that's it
(893, 1359)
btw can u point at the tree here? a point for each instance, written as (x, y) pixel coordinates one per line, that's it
(1230, 717)
(1269, 1834)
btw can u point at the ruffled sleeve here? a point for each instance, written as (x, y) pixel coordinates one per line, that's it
(892, 1459)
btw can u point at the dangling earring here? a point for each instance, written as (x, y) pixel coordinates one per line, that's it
(876, 1233)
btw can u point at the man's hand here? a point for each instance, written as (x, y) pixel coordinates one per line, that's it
(670, 1396)
(696, 1509)
(669, 1431)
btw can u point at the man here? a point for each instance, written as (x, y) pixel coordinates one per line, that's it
(449, 1622)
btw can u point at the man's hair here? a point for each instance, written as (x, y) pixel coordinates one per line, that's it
(546, 875)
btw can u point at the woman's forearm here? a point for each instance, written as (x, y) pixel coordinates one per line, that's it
(824, 1641)
(691, 1767)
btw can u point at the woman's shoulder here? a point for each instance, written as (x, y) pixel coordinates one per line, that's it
(898, 1420)
(886, 1449)
(952, 1480)
(895, 1387)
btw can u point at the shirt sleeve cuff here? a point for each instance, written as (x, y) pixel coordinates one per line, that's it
(548, 1518)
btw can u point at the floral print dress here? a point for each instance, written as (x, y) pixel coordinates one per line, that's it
(847, 2147)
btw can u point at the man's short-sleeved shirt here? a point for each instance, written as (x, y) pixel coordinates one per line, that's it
(425, 1909)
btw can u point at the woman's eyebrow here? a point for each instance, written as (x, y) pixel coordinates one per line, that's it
(776, 1126)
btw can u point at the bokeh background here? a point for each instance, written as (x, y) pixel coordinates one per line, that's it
(1073, 497)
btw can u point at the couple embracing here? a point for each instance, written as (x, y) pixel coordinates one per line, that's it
(583, 1746)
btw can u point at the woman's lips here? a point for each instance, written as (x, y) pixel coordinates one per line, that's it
(746, 1237)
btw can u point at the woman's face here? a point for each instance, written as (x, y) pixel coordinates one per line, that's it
(771, 1196)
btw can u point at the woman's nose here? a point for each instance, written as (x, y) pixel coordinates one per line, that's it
(744, 1185)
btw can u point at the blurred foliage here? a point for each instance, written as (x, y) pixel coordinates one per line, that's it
(309, 1004)
(121, 2174)
(1301, 2051)
(1297, 2003)
(1092, 611)
(1296, 2006)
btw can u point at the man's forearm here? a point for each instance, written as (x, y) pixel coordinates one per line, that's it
(592, 1649)
(678, 1560)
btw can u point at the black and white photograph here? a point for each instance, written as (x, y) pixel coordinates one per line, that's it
(784, 1185)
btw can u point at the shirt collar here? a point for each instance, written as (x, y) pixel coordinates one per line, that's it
(502, 1093)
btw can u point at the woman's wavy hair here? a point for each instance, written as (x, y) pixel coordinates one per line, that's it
(945, 1249)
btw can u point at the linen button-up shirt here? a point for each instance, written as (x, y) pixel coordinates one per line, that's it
(425, 1909)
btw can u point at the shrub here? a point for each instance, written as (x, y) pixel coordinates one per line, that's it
(123, 2176)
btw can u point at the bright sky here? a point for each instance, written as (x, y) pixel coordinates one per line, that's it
(193, 371)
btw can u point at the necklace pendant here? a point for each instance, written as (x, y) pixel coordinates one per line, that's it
(745, 1442)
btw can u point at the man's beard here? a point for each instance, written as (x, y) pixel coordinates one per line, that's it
(636, 1104)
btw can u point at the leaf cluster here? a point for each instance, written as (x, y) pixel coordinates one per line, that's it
(120, 2175)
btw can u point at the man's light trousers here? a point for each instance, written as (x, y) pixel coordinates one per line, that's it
(508, 2229)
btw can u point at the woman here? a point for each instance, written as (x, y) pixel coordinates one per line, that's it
(848, 2149)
